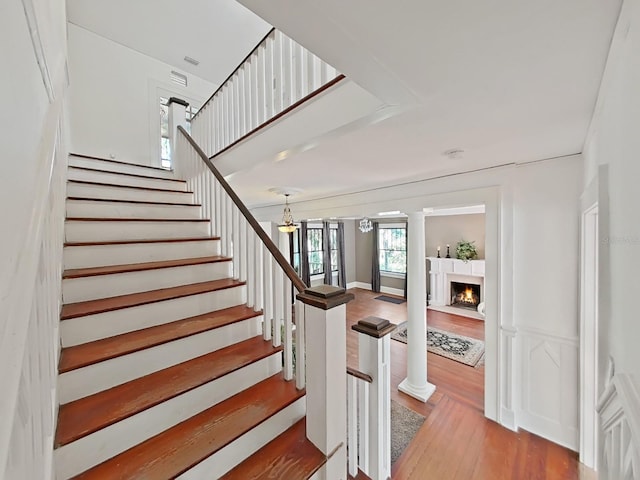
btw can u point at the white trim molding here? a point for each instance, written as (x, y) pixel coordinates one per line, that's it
(549, 385)
(619, 411)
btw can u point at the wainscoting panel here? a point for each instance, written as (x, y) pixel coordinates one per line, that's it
(549, 395)
(508, 381)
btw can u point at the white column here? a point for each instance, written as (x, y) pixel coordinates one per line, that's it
(374, 344)
(416, 383)
(326, 358)
(177, 116)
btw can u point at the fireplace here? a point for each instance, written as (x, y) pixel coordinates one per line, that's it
(465, 295)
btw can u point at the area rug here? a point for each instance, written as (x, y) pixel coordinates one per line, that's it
(455, 347)
(404, 426)
(386, 298)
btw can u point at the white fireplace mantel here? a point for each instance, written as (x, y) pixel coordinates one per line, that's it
(445, 270)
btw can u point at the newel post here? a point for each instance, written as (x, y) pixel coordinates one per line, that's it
(326, 363)
(374, 349)
(177, 117)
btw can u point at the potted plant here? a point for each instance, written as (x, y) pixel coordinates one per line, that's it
(466, 251)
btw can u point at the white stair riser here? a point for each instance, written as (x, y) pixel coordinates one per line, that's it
(118, 179)
(89, 209)
(101, 376)
(104, 286)
(75, 331)
(119, 167)
(83, 190)
(101, 231)
(228, 457)
(124, 254)
(93, 449)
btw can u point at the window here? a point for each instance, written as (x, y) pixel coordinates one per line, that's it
(165, 145)
(315, 243)
(295, 257)
(333, 241)
(392, 249)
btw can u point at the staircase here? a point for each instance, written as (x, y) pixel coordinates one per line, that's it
(164, 370)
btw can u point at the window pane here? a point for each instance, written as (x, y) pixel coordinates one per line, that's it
(393, 250)
(314, 243)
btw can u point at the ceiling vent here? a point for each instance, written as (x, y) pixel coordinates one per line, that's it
(192, 61)
(178, 78)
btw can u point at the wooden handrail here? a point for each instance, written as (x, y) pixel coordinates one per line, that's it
(234, 71)
(277, 116)
(358, 374)
(277, 254)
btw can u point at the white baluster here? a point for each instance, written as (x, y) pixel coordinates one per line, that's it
(352, 425)
(277, 73)
(268, 293)
(278, 297)
(301, 367)
(288, 328)
(228, 216)
(287, 71)
(217, 209)
(236, 243)
(251, 272)
(243, 249)
(255, 121)
(259, 284)
(223, 224)
(363, 423)
(269, 77)
(261, 85)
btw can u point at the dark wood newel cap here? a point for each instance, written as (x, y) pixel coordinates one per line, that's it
(177, 100)
(374, 327)
(325, 297)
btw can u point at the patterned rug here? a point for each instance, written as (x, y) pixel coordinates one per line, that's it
(404, 426)
(455, 347)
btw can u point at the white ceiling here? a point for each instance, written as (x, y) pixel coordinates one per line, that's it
(508, 82)
(218, 33)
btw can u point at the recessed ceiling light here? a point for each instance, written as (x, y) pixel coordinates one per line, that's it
(392, 212)
(453, 153)
(192, 61)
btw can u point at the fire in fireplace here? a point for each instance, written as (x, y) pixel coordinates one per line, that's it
(465, 295)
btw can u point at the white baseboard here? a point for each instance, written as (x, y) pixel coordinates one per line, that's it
(367, 286)
(392, 291)
(508, 419)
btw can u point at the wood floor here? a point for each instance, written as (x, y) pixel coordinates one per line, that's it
(457, 441)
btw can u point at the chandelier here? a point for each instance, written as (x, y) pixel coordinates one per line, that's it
(287, 225)
(365, 225)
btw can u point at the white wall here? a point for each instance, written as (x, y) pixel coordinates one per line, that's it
(531, 250)
(545, 295)
(33, 57)
(611, 153)
(114, 93)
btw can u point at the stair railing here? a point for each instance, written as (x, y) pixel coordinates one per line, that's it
(256, 258)
(277, 76)
(619, 411)
(369, 401)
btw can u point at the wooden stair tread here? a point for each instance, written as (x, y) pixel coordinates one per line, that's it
(128, 242)
(136, 267)
(103, 184)
(119, 162)
(137, 175)
(79, 356)
(119, 219)
(136, 202)
(179, 448)
(290, 455)
(86, 415)
(90, 307)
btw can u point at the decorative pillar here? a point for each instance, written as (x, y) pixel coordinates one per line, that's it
(416, 383)
(374, 345)
(326, 363)
(177, 117)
